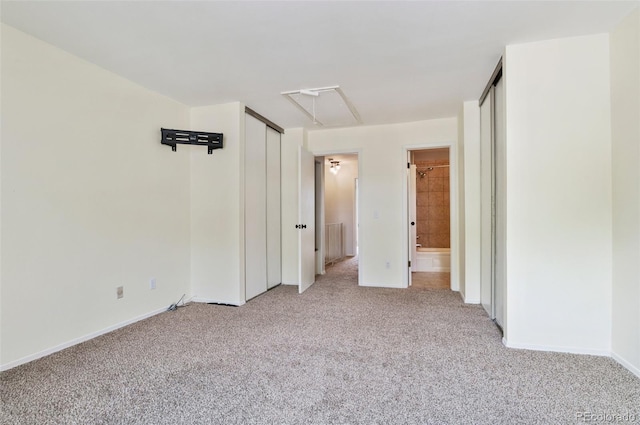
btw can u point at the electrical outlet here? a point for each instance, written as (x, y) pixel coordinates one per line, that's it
(152, 283)
(120, 291)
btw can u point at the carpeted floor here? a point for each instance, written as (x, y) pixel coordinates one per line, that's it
(337, 354)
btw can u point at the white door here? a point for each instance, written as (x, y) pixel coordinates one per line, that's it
(499, 278)
(255, 222)
(411, 207)
(486, 205)
(274, 243)
(306, 219)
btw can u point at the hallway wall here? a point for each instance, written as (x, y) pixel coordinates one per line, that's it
(340, 198)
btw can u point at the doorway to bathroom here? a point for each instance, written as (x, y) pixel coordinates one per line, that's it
(429, 207)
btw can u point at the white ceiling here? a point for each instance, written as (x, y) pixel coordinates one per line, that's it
(396, 61)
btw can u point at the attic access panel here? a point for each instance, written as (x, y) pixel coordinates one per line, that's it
(325, 106)
(185, 137)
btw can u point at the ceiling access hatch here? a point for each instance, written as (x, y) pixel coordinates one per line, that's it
(325, 106)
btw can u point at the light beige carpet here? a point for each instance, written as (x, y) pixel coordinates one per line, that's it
(337, 354)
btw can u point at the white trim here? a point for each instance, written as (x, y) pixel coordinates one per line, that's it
(213, 301)
(626, 364)
(319, 215)
(453, 209)
(471, 301)
(462, 295)
(77, 341)
(381, 285)
(357, 152)
(474, 300)
(574, 350)
(558, 349)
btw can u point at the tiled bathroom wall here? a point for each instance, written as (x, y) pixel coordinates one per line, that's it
(432, 204)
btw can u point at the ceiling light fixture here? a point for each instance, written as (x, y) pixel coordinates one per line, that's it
(325, 106)
(335, 166)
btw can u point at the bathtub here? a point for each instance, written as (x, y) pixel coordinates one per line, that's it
(432, 260)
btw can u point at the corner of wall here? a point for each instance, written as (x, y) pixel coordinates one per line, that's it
(633, 368)
(624, 44)
(471, 189)
(241, 120)
(461, 203)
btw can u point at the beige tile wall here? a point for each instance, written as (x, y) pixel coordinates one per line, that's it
(432, 205)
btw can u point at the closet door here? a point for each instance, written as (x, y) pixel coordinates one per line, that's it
(493, 207)
(500, 188)
(255, 222)
(486, 205)
(274, 264)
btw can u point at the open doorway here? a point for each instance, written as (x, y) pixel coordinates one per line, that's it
(429, 209)
(337, 210)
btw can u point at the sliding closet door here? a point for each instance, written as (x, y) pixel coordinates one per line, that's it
(500, 207)
(486, 204)
(493, 207)
(274, 265)
(255, 226)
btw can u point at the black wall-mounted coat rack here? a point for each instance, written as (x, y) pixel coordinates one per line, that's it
(184, 137)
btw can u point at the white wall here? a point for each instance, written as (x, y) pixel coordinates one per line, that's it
(559, 195)
(625, 130)
(382, 180)
(90, 200)
(461, 204)
(319, 218)
(471, 164)
(340, 198)
(217, 207)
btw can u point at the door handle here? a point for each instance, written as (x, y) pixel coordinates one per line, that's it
(413, 223)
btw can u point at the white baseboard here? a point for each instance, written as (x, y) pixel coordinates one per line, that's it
(633, 369)
(381, 285)
(472, 300)
(557, 349)
(573, 350)
(76, 341)
(212, 301)
(461, 293)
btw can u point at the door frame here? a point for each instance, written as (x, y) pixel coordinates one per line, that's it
(412, 213)
(358, 153)
(454, 224)
(319, 212)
